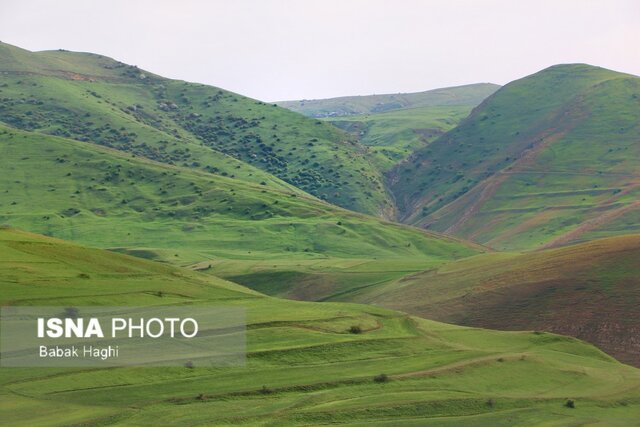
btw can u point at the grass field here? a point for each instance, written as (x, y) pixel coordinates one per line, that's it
(303, 365)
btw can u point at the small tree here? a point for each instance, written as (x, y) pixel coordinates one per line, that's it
(570, 403)
(355, 329)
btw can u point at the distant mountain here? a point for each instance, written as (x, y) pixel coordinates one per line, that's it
(547, 160)
(368, 104)
(96, 99)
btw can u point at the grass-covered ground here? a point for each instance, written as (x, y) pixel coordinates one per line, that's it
(93, 98)
(590, 290)
(303, 366)
(105, 198)
(547, 160)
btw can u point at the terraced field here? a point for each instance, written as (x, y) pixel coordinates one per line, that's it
(303, 365)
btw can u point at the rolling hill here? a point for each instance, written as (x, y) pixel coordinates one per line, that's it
(590, 291)
(106, 198)
(303, 366)
(96, 99)
(547, 160)
(368, 104)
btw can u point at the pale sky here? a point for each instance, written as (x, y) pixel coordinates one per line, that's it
(303, 49)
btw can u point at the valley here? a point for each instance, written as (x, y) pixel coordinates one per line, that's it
(349, 229)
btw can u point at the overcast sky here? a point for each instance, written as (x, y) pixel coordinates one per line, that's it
(295, 49)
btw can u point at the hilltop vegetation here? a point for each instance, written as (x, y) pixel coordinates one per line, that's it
(96, 99)
(304, 366)
(369, 104)
(549, 159)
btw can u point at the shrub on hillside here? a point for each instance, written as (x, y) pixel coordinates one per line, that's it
(382, 378)
(355, 329)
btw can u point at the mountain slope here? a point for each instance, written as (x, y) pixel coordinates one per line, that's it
(548, 159)
(303, 366)
(590, 291)
(353, 105)
(103, 197)
(96, 99)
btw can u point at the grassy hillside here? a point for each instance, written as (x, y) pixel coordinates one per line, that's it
(395, 135)
(103, 197)
(96, 99)
(590, 291)
(303, 366)
(547, 160)
(350, 105)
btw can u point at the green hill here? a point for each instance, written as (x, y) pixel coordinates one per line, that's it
(590, 291)
(96, 99)
(546, 160)
(303, 366)
(106, 198)
(351, 105)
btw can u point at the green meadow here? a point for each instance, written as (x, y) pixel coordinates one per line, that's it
(303, 365)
